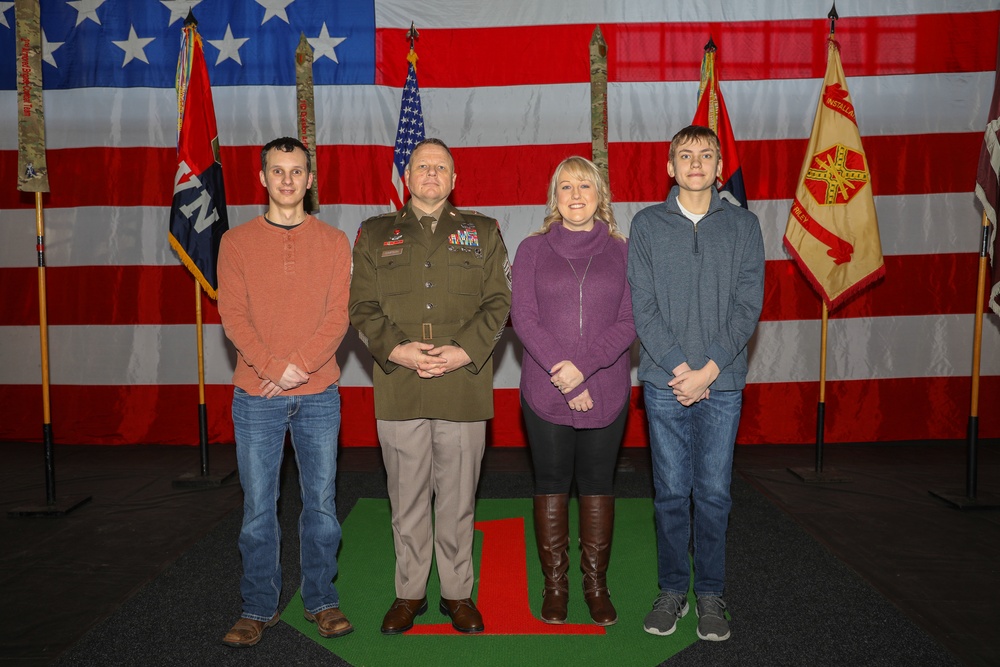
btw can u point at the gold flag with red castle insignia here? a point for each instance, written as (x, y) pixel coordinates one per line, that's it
(832, 229)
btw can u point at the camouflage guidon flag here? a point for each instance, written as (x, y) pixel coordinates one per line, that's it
(198, 217)
(832, 229)
(305, 114)
(32, 171)
(599, 100)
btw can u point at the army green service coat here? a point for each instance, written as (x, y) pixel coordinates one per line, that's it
(449, 288)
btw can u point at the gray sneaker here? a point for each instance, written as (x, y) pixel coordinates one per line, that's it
(667, 608)
(712, 623)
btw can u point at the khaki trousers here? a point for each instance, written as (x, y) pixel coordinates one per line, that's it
(439, 459)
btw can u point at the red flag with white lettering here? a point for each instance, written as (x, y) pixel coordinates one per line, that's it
(712, 113)
(198, 215)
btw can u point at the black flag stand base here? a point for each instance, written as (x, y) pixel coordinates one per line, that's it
(962, 501)
(202, 479)
(52, 507)
(829, 475)
(970, 500)
(60, 508)
(818, 474)
(191, 480)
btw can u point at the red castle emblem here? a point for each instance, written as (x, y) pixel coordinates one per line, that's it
(836, 175)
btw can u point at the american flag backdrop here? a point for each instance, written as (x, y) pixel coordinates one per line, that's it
(506, 85)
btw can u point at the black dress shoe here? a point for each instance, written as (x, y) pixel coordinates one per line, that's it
(464, 615)
(400, 616)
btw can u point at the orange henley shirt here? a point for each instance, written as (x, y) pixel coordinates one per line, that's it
(283, 296)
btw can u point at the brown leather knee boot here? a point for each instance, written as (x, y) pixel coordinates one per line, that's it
(597, 520)
(552, 538)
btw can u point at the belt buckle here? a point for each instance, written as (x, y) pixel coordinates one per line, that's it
(427, 331)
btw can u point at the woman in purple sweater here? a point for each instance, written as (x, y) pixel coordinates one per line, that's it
(572, 309)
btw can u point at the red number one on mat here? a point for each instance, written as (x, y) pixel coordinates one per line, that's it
(503, 588)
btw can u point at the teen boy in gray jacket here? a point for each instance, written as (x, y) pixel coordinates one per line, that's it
(696, 270)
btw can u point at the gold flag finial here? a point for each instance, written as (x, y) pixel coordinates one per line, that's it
(412, 35)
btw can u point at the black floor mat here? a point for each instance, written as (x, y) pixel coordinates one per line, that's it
(149, 573)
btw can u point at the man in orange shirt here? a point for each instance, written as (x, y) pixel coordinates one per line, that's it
(284, 281)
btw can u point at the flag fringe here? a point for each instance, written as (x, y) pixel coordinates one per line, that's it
(847, 294)
(192, 267)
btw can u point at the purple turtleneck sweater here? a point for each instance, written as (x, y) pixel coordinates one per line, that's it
(554, 323)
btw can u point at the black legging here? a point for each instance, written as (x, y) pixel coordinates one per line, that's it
(560, 452)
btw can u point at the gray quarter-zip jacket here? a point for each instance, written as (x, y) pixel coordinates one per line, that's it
(697, 290)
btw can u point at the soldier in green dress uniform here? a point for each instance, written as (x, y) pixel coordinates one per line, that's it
(430, 294)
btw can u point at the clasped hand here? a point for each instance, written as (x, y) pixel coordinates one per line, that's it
(566, 377)
(292, 377)
(427, 360)
(690, 386)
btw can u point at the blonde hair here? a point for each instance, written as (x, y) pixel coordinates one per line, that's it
(585, 170)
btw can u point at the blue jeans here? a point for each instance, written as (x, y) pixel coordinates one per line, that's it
(692, 454)
(260, 426)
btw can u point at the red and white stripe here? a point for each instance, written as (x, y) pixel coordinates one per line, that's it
(506, 85)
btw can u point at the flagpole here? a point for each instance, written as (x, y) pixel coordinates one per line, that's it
(51, 507)
(818, 474)
(190, 50)
(977, 350)
(821, 406)
(33, 177)
(202, 409)
(43, 333)
(970, 499)
(201, 479)
(987, 191)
